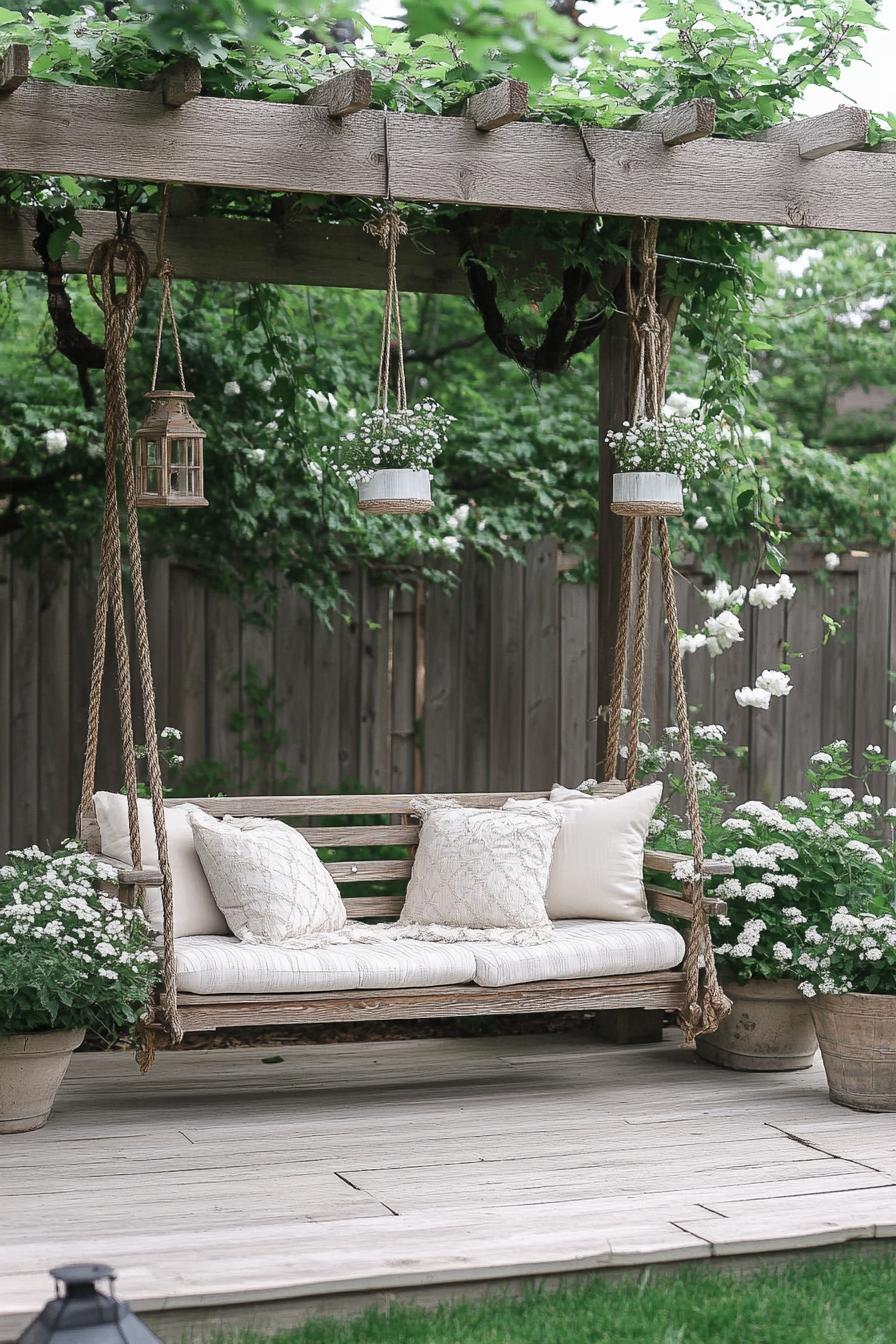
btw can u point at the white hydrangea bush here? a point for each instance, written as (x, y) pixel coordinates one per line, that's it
(70, 955)
(853, 953)
(686, 447)
(795, 864)
(388, 440)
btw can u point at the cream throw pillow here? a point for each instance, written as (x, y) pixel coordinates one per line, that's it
(270, 885)
(195, 911)
(480, 874)
(598, 863)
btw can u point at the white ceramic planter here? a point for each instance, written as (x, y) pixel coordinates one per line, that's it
(32, 1066)
(655, 492)
(769, 1029)
(396, 490)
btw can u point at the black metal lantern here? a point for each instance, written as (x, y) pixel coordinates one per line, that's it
(81, 1314)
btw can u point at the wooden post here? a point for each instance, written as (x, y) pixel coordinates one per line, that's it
(612, 410)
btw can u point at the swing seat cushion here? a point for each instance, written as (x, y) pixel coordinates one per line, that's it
(207, 965)
(581, 949)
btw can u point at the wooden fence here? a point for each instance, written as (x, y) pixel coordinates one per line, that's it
(491, 685)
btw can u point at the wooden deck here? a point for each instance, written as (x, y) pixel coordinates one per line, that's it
(228, 1189)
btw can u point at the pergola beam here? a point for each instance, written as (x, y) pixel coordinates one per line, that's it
(344, 94)
(682, 123)
(498, 106)
(845, 127)
(100, 132)
(303, 252)
(14, 67)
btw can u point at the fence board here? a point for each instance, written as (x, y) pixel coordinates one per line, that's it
(257, 704)
(541, 664)
(505, 698)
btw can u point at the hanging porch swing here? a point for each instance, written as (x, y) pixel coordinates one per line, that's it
(692, 991)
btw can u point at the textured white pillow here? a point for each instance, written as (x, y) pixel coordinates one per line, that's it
(195, 911)
(268, 882)
(597, 871)
(479, 874)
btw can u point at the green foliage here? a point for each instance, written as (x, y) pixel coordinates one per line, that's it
(70, 957)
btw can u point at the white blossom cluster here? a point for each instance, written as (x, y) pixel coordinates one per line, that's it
(723, 629)
(685, 447)
(68, 952)
(855, 952)
(55, 441)
(384, 439)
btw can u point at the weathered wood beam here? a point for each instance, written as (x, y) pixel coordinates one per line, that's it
(682, 123)
(180, 82)
(845, 127)
(14, 67)
(505, 102)
(344, 94)
(302, 253)
(100, 132)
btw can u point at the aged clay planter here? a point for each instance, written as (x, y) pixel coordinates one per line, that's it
(32, 1066)
(857, 1035)
(657, 492)
(769, 1029)
(396, 490)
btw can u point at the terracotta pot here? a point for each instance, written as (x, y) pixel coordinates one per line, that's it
(857, 1035)
(655, 492)
(769, 1029)
(31, 1068)
(396, 490)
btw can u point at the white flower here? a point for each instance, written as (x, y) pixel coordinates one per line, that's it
(781, 952)
(232, 388)
(776, 683)
(451, 544)
(171, 733)
(749, 697)
(266, 384)
(795, 804)
(794, 914)
(832, 560)
(701, 524)
(691, 643)
(55, 441)
(786, 587)
(725, 629)
(821, 758)
(707, 732)
(806, 989)
(873, 750)
(764, 595)
(758, 891)
(738, 824)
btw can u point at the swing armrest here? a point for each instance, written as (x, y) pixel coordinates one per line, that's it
(660, 861)
(670, 902)
(131, 877)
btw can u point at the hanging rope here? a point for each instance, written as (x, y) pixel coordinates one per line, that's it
(119, 305)
(165, 272)
(705, 1004)
(389, 228)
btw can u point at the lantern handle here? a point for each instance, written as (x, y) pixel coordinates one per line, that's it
(165, 273)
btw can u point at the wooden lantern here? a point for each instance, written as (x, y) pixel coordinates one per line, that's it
(168, 454)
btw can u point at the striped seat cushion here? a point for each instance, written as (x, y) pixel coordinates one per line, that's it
(581, 949)
(216, 965)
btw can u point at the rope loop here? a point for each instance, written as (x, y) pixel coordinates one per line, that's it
(389, 228)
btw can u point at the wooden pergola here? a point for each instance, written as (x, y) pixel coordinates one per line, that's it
(814, 172)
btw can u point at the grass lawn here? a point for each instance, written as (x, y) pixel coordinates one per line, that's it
(849, 1299)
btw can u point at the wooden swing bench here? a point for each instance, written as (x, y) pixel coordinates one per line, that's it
(614, 995)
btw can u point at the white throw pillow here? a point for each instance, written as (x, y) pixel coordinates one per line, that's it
(597, 871)
(268, 882)
(195, 911)
(479, 874)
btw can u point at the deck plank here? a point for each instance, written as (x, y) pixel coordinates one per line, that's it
(369, 1167)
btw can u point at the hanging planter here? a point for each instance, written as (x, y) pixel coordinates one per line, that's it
(389, 455)
(657, 456)
(168, 445)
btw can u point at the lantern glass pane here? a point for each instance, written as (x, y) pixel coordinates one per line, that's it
(183, 452)
(152, 481)
(151, 454)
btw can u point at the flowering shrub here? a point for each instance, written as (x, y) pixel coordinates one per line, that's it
(686, 447)
(69, 956)
(854, 953)
(390, 439)
(794, 864)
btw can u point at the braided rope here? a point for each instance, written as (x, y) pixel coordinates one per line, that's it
(119, 309)
(389, 228)
(705, 1005)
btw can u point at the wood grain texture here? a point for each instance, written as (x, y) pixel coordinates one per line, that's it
(103, 132)
(344, 94)
(14, 66)
(682, 123)
(505, 102)
(180, 82)
(844, 127)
